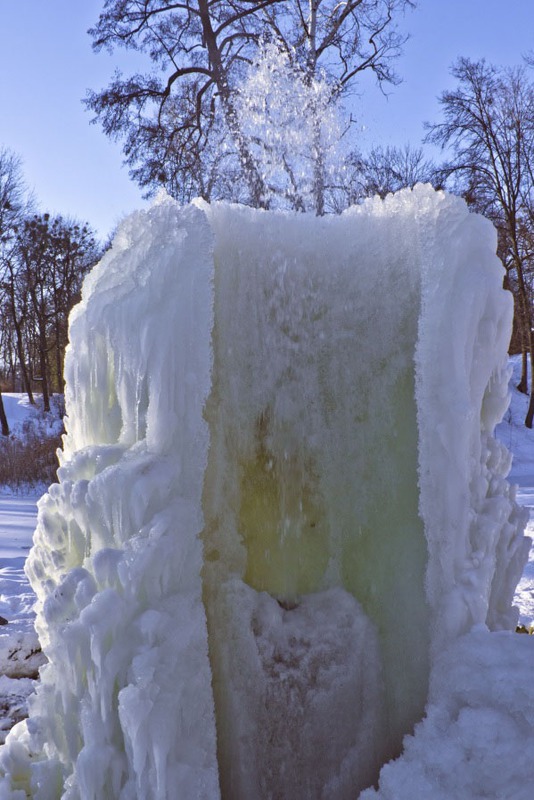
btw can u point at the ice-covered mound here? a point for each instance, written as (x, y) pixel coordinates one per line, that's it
(477, 738)
(280, 428)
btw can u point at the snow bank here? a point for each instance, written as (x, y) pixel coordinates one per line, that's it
(279, 429)
(26, 420)
(477, 738)
(18, 409)
(20, 653)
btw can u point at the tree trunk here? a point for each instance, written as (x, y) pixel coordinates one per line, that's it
(23, 368)
(58, 358)
(20, 345)
(44, 376)
(59, 371)
(530, 413)
(522, 386)
(319, 178)
(318, 169)
(528, 334)
(3, 418)
(258, 190)
(253, 176)
(43, 360)
(524, 317)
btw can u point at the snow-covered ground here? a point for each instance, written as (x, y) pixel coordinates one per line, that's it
(21, 415)
(524, 596)
(520, 441)
(18, 409)
(20, 655)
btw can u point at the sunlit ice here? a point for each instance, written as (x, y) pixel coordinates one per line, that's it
(280, 501)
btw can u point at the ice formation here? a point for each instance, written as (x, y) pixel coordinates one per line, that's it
(280, 503)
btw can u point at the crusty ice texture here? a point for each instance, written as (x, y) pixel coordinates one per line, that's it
(280, 500)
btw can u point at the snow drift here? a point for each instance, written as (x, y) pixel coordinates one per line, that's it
(280, 502)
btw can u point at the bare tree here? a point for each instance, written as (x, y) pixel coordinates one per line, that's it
(488, 129)
(51, 257)
(388, 169)
(43, 260)
(341, 39)
(198, 47)
(14, 203)
(334, 43)
(16, 317)
(179, 122)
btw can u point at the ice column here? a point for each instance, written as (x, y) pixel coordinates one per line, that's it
(280, 497)
(124, 708)
(312, 485)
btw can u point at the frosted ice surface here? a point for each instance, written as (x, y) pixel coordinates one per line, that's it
(280, 504)
(283, 674)
(124, 704)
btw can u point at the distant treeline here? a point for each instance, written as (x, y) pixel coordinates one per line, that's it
(43, 260)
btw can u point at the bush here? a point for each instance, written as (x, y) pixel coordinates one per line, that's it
(28, 462)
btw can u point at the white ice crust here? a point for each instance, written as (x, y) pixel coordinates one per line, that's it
(281, 514)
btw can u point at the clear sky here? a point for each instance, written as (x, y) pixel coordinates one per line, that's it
(501, 31)
(46, 65)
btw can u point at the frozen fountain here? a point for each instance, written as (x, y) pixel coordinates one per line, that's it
(280, 499)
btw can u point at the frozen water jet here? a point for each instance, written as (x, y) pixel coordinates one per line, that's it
(315, 454)
(280, 498)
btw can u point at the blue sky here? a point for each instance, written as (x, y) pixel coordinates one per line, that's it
(46, 65)
(501, 31)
